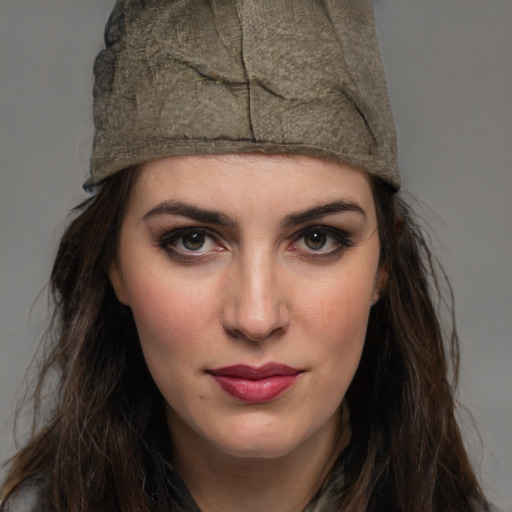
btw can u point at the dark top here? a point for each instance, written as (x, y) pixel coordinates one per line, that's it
(31, 498)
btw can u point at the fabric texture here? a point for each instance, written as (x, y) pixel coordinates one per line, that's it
(253, 76)
(31, 497)
(326, 500)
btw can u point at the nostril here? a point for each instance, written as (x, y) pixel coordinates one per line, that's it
(255, 336)
(256, 305)
(258, 325)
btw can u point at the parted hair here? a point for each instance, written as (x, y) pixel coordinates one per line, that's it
(99, 440)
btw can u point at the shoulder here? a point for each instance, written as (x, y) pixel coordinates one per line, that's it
(30, 497)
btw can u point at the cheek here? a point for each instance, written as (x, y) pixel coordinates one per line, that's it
(172, 325)
(171, 316)
(340, 305)
(336, 316)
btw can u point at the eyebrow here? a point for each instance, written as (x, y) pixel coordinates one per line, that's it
(192, 212)
(214, 217)
(320, 211)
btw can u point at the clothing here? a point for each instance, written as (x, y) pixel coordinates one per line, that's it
(326, 500)
(30, 498)
(242, 76)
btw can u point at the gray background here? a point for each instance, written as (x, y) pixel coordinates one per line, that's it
(449, 68)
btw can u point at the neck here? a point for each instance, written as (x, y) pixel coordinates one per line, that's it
(220, 482)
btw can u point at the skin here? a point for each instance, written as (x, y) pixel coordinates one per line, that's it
(261, 288)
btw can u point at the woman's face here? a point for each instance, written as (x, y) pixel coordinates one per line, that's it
(250, 278)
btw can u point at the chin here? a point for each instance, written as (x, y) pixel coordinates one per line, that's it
(258, 448)
(262, 439)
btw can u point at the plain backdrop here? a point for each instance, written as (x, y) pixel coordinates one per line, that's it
(449, 70)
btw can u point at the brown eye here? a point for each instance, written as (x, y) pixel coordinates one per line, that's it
(320, 242)
(193, 241)
(315, 240)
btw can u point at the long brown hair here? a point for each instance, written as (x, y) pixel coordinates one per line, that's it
(104, 444)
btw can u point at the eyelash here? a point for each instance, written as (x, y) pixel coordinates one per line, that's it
(169, 239)
(340, 238)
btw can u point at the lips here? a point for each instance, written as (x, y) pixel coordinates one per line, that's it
(253, 384)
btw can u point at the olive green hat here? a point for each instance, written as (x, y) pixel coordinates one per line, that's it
(188, 77)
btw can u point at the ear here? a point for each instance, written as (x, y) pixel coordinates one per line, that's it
(380, 284)
(115, 277)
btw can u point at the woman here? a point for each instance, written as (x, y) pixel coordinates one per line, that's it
(244, 318)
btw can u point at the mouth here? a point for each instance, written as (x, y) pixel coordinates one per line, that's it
(252, 384)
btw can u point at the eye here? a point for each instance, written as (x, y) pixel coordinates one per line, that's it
(316, 240)
(320, 241)
(193, 241)
(190, 242)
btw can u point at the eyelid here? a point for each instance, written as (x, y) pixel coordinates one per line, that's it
(335, 232)
(340, 238)
(171, 234)
(165, 241)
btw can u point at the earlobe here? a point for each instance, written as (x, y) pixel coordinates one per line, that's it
(116, 280)
(381, 281)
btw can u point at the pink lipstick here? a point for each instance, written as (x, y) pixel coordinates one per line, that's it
(255, 384)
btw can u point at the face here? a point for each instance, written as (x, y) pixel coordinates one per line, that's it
(250, 278)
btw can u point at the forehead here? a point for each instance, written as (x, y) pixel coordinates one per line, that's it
(239, 181)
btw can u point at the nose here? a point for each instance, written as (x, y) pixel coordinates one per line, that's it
(256, 306)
